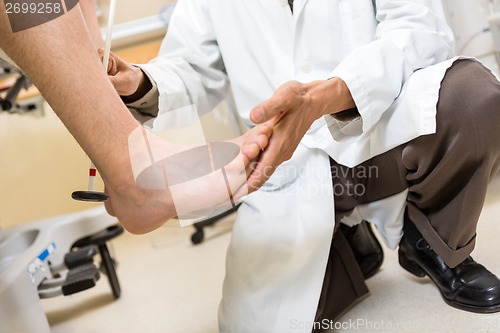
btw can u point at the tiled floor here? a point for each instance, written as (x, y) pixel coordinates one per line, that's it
(170, 285)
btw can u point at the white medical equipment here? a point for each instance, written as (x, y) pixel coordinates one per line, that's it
(476, 25)
(48, 258)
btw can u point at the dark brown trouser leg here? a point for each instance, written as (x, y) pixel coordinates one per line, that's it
(447, 174)
(375, 179)
(449, 171)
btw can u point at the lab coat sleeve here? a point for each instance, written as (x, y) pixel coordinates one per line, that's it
(409, 35)
(189, 68)
(146, 108)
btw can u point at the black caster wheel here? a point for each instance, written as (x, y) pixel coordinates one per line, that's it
(197, 237)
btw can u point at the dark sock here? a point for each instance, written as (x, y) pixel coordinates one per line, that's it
(411, 232)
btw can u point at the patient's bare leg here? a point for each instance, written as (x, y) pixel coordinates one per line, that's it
(88, 8)
(60, 59)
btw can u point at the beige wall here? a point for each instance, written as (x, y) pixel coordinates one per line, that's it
(40, 165)
(128, 10)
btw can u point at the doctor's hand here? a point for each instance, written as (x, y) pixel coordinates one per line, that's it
(291, 111)
(129, 81)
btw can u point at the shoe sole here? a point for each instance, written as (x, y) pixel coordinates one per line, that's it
(417, 270)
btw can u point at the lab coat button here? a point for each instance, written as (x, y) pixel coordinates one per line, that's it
(306, 68)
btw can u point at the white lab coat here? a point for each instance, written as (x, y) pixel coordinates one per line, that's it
(281, 239)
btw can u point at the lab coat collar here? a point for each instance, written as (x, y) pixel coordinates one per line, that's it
(298, 6)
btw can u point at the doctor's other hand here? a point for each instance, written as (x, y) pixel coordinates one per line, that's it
(291, 110)
(129, 81)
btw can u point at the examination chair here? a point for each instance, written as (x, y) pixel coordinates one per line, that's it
(49, 258)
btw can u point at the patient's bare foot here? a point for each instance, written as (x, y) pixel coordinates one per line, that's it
(186, 181)
(253, 142)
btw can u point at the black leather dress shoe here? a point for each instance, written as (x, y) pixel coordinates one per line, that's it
(365, 246)
(469, 286)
